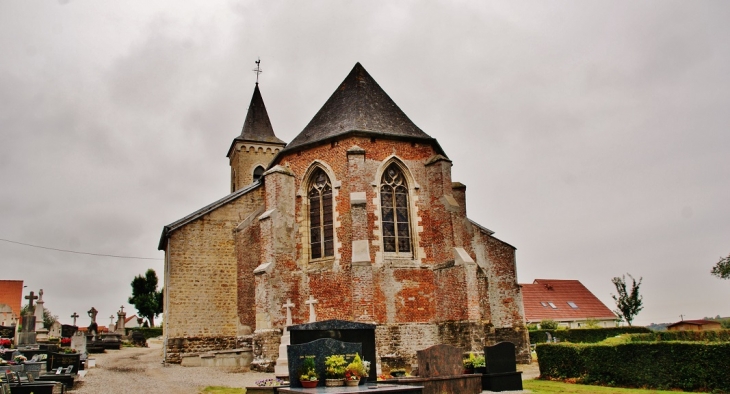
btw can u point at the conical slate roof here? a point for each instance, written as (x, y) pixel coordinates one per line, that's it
(257, 126)
(358, 105)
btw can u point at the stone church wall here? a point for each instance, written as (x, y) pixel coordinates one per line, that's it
(202, 272)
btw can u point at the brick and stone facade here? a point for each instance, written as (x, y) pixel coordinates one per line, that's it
(231, 266)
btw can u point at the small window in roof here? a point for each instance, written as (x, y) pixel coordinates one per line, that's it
(572, 305)
(543, 303)
(552, 305)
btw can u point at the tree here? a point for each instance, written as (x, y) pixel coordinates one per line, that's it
(628, 303)
(48, 317)
(722, 268)
(145, 296)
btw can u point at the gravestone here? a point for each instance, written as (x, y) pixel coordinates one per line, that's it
(121, 321)
(501, 364)
(40, 330)
(281, 369)
(319, 349)
(440, 360)
(78, 342)
(27, 335)
(7, 332)
(55, 330)
(93, 328)
(68, 331)
(341, 330)
(63, 360)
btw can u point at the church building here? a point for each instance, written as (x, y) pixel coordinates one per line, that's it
(357, 215)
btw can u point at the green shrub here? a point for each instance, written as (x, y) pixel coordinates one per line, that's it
(584, 335)
(687, 336)
(152, 332)
(663, 365)
(548, 324)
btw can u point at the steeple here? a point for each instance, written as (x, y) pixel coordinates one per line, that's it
(252, 151)
(359, 105)
(257, 126)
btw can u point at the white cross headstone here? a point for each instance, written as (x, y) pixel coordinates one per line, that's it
(288, 307)
(312, 314)
(111, 322)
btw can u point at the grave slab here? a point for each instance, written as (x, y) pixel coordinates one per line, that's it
(319, 350)
(342, 330)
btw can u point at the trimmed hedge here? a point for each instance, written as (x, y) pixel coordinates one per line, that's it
(152, 332)
(687, 366)
(687, 336)
(584, 335)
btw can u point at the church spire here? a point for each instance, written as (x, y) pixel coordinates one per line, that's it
(257, 126)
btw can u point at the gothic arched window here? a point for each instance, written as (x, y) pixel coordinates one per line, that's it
(394, 205)
(258, 173)
(321, 232)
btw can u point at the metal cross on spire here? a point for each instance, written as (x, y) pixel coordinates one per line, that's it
(257, 70)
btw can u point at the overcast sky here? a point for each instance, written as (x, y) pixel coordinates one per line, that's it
(592, 135)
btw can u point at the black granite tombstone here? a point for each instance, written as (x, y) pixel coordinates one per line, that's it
(319, 349)
(67, 330)
(501, 364)
(7, 331)
(64, 360)
(341, 330)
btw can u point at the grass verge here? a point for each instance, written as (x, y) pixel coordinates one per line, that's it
(549, 387)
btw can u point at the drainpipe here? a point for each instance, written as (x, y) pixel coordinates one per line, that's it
(166, 308)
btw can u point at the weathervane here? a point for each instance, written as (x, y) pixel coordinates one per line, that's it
(257, 70)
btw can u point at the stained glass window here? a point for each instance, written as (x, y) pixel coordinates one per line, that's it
(394, 203)
(321, 233)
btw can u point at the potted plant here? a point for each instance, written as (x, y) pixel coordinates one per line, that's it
(308, 376)
(335, 366)
(469, 363)
(480, 365)
(355, 371)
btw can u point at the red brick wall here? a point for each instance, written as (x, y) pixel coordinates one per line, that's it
(11, 294)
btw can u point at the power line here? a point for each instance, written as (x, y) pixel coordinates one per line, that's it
(76, 252)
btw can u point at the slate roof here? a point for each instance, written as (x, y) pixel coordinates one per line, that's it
(203, 211)
(559, 292)
(257, 126)
(359, 105)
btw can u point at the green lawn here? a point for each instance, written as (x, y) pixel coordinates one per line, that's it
(548, 387)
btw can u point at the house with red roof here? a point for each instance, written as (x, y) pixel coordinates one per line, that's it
(567, 302)
(695, 325)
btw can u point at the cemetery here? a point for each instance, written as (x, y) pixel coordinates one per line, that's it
(35, 359)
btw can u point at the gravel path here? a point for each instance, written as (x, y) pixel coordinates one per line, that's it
(140, 370)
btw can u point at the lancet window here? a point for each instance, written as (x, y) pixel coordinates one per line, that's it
(321, 232)
(395, 216)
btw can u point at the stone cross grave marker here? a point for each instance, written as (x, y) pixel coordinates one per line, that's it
(111, 322)
(288, 307)
(74, 316)
(30, 298)
(312, 313)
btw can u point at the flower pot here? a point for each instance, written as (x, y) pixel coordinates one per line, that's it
(468, 371)
(397, 374)
(352, 382)
(309, 384)
(481, 370)
(334, 382)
